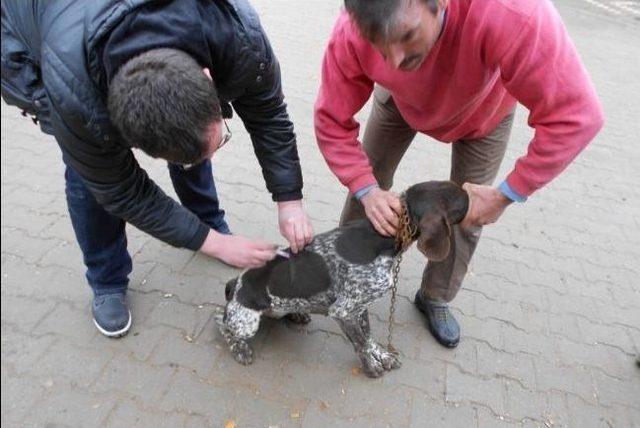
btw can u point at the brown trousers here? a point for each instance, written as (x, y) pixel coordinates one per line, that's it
(386, 139)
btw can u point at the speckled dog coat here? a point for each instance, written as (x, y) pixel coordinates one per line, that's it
(340, 274)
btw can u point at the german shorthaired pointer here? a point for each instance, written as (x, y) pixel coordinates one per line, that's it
(340, 274)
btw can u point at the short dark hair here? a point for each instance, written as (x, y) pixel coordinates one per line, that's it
(376, 18)
(162, 103)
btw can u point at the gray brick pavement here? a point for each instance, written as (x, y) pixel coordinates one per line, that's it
(550, 311)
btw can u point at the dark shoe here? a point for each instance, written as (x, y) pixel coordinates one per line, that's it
(442, 325)
(111, 314)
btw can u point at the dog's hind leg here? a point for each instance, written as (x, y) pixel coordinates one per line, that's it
(240, 348)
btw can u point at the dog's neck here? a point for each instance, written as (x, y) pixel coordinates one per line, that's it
(407, 231)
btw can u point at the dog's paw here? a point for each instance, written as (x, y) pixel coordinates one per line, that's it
(388, 359)
(242, 352)
(377, 359)
(371, 366)
(298, 317)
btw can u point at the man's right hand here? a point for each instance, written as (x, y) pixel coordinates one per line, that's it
(237, 251)
(383, 209)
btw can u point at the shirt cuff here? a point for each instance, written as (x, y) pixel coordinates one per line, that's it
(366, 189)
(507, 191)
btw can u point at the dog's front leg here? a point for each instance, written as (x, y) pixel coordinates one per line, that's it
(365, 347)
(239, 348)
(388, 359)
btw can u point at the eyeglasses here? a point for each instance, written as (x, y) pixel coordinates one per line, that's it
(224, 140)
(226, 137)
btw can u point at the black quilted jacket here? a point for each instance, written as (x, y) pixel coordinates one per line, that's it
(59, 56)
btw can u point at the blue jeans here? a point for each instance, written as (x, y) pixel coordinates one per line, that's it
(102, 237)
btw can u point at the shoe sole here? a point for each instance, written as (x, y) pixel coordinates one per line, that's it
(114, 334)
(445, 344)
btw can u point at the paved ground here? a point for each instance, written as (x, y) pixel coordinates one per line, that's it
(550, 312)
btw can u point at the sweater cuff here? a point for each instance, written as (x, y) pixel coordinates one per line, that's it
(366, 189)
(520, 184)
(361, 182)
(288, 196)
(196, 242)
(511, 194)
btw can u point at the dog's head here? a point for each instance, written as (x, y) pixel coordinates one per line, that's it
(434, 207)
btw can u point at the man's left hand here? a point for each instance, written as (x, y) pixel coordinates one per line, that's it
(294, 224)
(486, 205)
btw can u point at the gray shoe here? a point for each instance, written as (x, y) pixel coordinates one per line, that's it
(442, 325)
(111, 314)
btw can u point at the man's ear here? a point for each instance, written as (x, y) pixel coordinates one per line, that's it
(207, 73)
(435, 236)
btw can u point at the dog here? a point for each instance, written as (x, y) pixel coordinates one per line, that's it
(340, 274)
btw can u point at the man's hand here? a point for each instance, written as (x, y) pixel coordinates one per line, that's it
(383, 209)
(237, 251)
(486, 205)
(294, 224)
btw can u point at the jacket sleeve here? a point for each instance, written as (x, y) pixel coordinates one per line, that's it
(264, 114)
(125, 190)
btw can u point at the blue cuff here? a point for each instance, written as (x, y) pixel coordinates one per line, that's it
(360, 193)
(506, 190)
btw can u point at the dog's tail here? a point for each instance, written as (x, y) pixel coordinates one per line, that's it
(230, 288)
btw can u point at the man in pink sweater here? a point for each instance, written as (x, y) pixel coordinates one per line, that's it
(452, 70)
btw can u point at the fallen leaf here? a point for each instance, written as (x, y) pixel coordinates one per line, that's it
(295, 415)
(324, 405)
(356, 371)
(188, 338)
(230, 424)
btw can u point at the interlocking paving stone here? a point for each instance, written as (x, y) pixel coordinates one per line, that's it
(550, 309)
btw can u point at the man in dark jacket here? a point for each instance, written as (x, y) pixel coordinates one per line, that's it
(103, 77)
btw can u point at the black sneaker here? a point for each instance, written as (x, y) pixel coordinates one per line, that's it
(442, 325)
(111, 314)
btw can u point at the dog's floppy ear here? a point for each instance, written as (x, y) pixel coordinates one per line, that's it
(435, 236)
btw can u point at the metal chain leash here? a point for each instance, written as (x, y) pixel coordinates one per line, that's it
(392, 308)
(404, 238)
